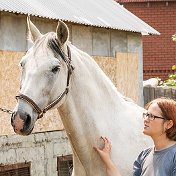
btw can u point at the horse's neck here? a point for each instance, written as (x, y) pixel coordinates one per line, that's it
(89, 76)
(91, 107)
(92, 95)
(91, 90)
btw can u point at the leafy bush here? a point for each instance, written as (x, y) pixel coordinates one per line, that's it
(174, 37)
(171, 81)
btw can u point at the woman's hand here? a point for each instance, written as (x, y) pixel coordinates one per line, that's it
(105, 152)
(105, 156)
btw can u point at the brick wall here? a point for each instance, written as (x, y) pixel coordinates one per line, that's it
(159, 52)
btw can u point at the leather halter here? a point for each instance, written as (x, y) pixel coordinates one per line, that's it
(57, 51)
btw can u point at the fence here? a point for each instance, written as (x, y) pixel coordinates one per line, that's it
(151, 93)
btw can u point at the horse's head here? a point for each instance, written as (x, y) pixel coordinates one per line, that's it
(46, 70)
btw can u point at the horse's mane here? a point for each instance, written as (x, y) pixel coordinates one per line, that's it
(88, 59)
(50, 40)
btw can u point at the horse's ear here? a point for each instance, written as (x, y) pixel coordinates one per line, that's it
(34, 33)
(62, 32)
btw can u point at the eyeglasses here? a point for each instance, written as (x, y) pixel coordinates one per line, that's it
(148, 116)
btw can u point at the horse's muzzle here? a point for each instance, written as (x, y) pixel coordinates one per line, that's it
(21, 123)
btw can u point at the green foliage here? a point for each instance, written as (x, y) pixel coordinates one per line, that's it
(171, 81)
(174, 37)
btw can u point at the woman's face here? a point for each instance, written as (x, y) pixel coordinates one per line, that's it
(154, 127)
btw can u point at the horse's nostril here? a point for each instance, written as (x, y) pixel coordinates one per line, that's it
(28, 119)
(27, 122)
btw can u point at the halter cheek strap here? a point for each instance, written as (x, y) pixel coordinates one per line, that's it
(37, 109)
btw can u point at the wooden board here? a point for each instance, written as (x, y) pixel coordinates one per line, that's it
(122, 71)
(127, 75)
(9, 87)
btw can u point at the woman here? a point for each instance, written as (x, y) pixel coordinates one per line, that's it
(160, 125)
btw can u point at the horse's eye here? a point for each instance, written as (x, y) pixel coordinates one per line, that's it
(55, 69)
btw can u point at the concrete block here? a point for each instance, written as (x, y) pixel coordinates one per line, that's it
(118, 42)
(101, 42)
(38, 168)
(10, 156)
(82, 38)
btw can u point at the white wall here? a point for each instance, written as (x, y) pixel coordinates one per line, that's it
(42, 149)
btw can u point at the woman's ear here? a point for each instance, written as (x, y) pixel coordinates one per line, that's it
(169, 124)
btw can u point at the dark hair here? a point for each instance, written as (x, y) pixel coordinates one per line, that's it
(168, 109)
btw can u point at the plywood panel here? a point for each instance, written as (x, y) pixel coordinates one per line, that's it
(127, 75)
(9, 87)
(108, 65)
(122, 71)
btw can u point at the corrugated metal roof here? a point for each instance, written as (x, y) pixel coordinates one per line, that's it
(124, 1)
(100, 13)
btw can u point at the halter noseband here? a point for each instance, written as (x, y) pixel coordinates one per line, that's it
(57, 51)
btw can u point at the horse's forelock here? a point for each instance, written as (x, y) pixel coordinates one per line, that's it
(49, 41)
(42, 43)
(55, 47)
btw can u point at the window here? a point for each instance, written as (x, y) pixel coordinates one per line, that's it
(65, 165)
(19, 169)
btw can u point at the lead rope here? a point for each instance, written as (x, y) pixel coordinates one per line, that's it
(6, 110)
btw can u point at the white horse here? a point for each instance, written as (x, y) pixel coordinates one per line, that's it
(56, 74)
